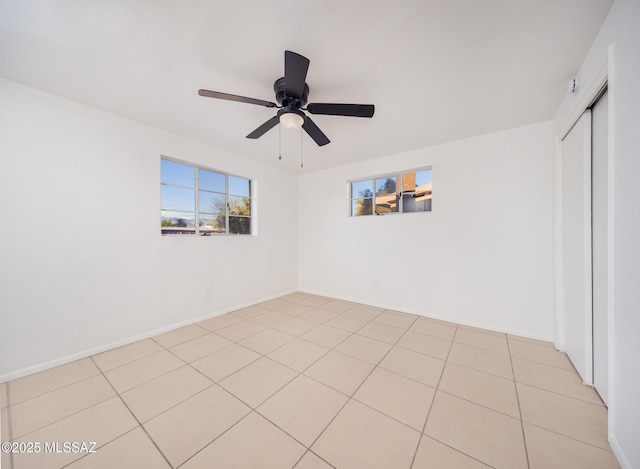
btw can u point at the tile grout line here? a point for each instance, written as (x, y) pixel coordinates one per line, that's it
(572, 438)
(299, 373)
(478, 404)
(255, 409)
(560, 394)
(65, 417)
(251, 410)
(81, 410)
(58, 388)
(572, 370)
(515, 386)
(9, 422)
(330, 349)
(350, 397)
(518, 358)
(154, 338)
(270, 395)
(458, 343)
(457, 450)
(148, 339)
(102, 446)
(307, 448)
(213, 383)
(147, 381)
(468, 367)
(552, 349)
(547, 365)
(217, 437)
(316, 455)
(438, 389)
(527, 340)
(135, 418)
(387, 415)
(216, 382)
(424, 426)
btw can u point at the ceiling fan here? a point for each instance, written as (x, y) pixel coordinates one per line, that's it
(291, 94)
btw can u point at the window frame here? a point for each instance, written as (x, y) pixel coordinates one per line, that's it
(398, 175)
(197, 210)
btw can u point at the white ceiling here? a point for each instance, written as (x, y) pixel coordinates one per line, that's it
(436, 70)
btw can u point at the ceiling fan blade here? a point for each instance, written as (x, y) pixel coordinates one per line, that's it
(351, 110)
(264, 128)
(295, 73)
(314, 132)
(233, 97)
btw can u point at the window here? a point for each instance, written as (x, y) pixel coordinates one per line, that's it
(201, 201)
(395, 193)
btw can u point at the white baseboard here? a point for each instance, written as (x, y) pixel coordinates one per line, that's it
(119, 343)
(619, 452)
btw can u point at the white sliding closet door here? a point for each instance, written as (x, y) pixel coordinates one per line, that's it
(576, 246)
(600, 200)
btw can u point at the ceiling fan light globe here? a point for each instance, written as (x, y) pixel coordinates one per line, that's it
(291, 120)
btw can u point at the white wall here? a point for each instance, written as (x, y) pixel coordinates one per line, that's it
(82, 263)
(481, 257)
(616, 48)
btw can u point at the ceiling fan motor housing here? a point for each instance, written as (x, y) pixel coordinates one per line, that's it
(289, 101)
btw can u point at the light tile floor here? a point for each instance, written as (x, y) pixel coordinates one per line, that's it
(305, 382)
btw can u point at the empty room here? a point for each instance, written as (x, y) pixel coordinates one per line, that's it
(319, 234)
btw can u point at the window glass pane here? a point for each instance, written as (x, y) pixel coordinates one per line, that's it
(386, 198)
(361, 207)
(423, 177)
(173, 222)
(177, 173)
(386, 204)
(361, 189)
(408, 182)
(212, 202)
(212, 224)
(239, 186)
(239, 225)
(239, 205)
(416, 202)
(211, 181)
(417, 199)
(412, 180)
(177, 198)
(386, 186)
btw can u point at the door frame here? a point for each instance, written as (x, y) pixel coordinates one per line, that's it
(584, 101)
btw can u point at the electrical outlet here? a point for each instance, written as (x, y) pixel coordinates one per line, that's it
(207, 292)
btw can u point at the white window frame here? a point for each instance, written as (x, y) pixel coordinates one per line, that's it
(197, 231)
(399, 175)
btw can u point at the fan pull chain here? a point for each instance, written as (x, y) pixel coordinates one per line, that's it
(279, 142)
(301, 153)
